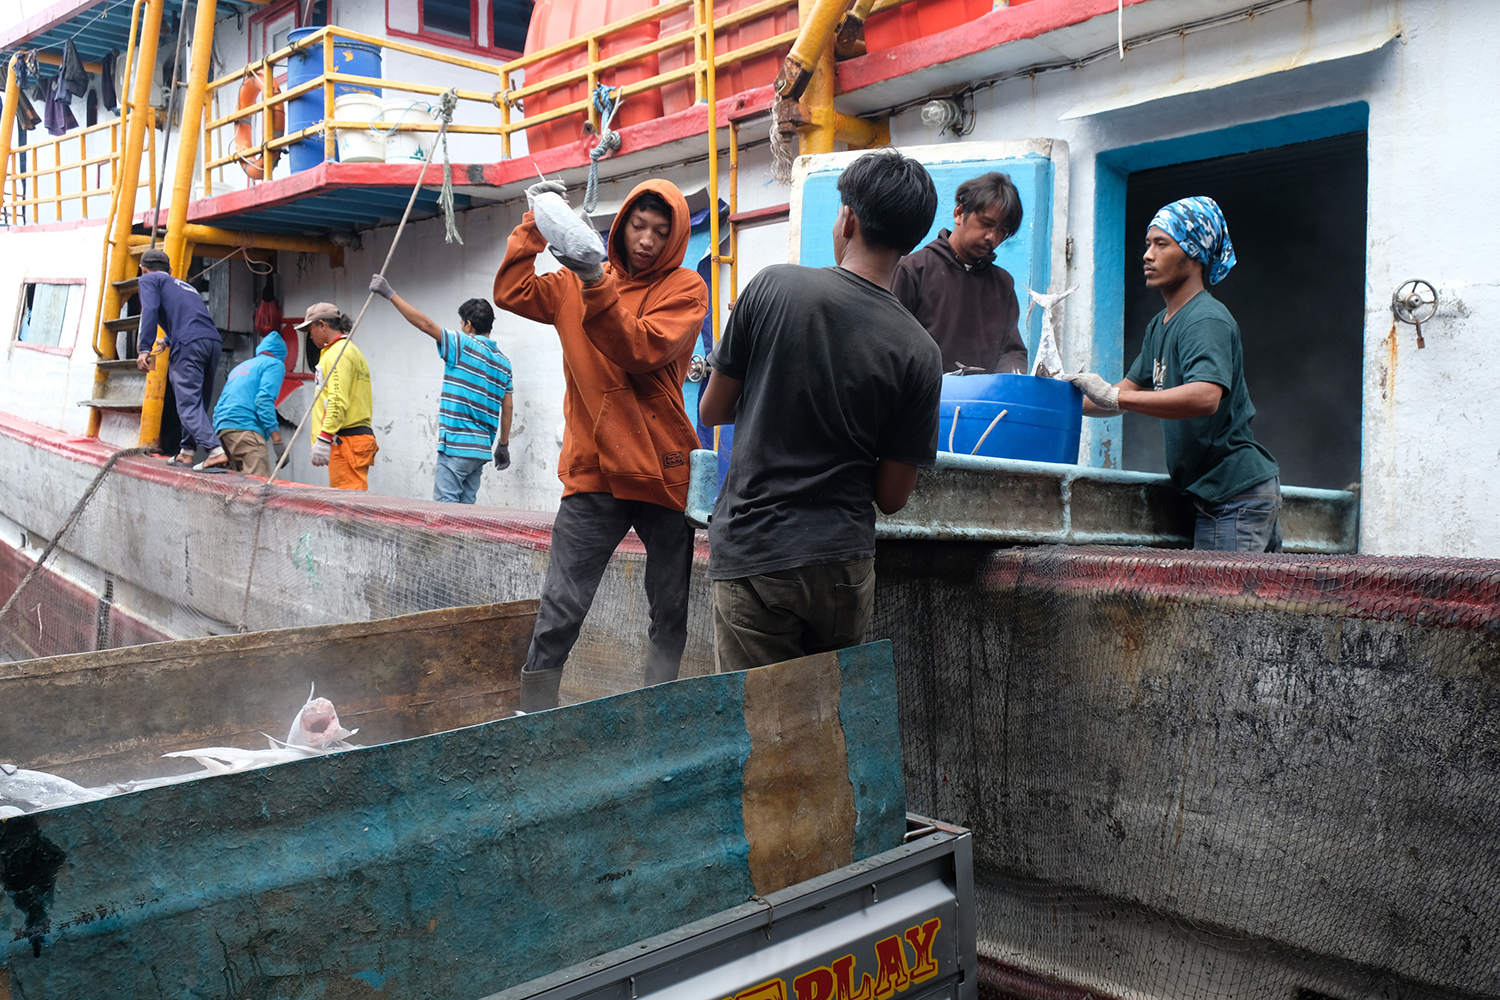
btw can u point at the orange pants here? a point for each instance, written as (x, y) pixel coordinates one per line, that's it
(349, 462)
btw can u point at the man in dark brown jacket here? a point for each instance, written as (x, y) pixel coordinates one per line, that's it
(954, 289)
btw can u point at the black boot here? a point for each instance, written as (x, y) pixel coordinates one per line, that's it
(660, 667)
(539, 689)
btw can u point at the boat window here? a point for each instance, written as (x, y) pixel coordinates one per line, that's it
(509, 20)
(448, 17)
(50, 312)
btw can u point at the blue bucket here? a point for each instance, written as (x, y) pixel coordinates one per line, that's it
(1043, 418)
(355, 58)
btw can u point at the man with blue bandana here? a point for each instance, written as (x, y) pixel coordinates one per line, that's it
(1191, 374)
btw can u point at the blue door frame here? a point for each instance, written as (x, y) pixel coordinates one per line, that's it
(1113, 167)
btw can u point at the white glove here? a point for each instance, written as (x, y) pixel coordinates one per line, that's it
(545, 187)
(321, 450)
(381, 287)
(590, 273)
(1101, 393)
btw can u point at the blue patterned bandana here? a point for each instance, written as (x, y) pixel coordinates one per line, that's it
(1199, 228)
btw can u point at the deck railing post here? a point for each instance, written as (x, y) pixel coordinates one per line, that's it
(8, 121)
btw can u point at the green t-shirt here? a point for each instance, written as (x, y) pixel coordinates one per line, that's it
(1213, 457)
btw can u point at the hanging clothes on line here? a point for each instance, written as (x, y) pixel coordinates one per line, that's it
(74, 77)
(26, 116)
(57, 113)
(107, 98)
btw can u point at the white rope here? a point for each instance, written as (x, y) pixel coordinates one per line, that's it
(449, 99)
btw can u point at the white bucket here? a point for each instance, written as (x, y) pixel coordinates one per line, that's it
(407, 147)
(359, 145)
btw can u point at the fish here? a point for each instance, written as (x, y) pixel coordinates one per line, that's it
(33, 790)
(227, 760)
(317, 726)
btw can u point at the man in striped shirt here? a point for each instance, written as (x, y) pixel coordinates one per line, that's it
(476, 396)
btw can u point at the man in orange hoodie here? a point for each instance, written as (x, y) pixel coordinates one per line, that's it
(627, 328)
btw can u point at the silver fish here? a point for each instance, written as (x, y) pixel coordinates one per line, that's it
(32, 790)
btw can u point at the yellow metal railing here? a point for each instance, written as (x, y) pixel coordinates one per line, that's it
(700, 37)
(76, 167)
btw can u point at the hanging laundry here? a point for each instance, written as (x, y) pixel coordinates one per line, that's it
(26, 115)
(74, 77)
(57, 113)
(91, 108)
(107, 97)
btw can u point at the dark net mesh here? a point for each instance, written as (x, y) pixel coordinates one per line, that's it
(1199, 774)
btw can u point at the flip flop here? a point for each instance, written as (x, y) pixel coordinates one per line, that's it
(215, 470)
(173, 461)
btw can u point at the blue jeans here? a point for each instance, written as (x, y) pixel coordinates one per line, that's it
(457, 478)
(1247, 522)
(190, 369)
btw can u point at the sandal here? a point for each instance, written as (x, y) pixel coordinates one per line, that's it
(219, 469)
(174, 461)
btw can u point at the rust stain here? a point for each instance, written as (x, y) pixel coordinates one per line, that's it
(798, 803)
(1388, 370)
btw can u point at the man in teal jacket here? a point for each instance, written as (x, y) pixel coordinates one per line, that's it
(245, 416)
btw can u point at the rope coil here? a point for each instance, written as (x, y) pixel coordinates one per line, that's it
(609, 141)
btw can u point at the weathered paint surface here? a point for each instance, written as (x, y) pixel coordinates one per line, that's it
(451, 865)
(1262, 772)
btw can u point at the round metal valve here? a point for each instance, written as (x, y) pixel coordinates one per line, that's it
(1415, 302)
(697, 368)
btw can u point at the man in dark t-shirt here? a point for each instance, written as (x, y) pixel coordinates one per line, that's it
(833, 390)
(1191, 373)
(956, 290)
(195, 345)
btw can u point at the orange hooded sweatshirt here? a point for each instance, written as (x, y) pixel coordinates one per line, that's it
(626, 346)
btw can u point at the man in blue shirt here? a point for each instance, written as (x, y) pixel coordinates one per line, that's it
(195, 346)
(245, 416)
(476, 397)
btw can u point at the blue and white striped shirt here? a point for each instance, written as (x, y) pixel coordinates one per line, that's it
(476, 379)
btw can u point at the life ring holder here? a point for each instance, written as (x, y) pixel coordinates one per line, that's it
(250, 96)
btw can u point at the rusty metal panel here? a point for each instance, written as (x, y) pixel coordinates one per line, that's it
(1008, 502)
(449, 865)
(110, 715)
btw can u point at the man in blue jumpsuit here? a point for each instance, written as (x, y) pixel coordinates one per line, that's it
(195, 346)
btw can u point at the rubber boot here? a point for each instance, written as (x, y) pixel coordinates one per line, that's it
(660, 667)
(539, 689)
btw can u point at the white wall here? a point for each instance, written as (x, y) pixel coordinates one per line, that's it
(1431, 448)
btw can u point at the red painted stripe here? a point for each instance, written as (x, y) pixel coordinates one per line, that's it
(57, 616)
(530, 529)
(763, 216)
(1009, 24)
(1001, 981)
(1420, 590)
(52, 227)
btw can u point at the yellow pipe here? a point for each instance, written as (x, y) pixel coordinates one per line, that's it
(176, 242)
(849, 40)
(8, 119)
(130, 178)
(817, 19)
(860, 133)
(821, 130)
(711, 85)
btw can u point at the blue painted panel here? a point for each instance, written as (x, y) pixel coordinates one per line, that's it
(1113, 167)
(1027, 255)
(449, 865)
(873, 742)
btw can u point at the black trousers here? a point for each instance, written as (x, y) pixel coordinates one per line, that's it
(587, 530)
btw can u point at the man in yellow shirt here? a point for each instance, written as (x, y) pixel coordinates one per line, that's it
(342, 438)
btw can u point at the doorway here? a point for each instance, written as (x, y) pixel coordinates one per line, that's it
(1297, 218)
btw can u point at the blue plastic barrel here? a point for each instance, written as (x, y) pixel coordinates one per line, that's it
(355, 58)
(1042, 423)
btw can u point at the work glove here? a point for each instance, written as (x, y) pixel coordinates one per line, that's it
(321, 450)
(1101, 393)
(542, 187)
(381, 287)
(502, 456)
(589, 274)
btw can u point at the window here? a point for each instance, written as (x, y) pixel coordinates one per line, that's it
(489, 27)
(270, 27)
(50, 313)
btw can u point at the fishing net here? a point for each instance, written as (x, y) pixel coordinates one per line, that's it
(1210, 775)
(155, 554)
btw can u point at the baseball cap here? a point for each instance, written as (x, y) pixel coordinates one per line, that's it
(317, 311)
(156, 259)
